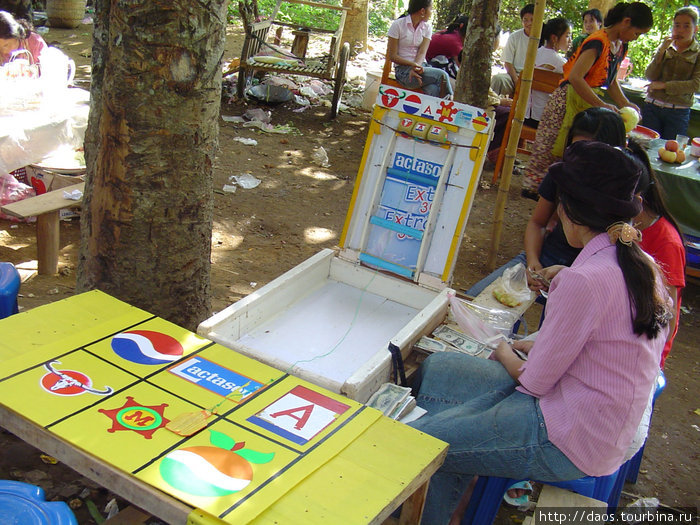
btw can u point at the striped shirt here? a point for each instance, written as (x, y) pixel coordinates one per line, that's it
(590, 371)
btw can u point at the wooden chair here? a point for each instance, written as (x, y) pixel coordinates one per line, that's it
(389, 79)
(542, 80)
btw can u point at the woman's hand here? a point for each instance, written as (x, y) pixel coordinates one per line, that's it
(506, 101)
(533, 271)
(511, 362)
(657, 84)
(523, 346)
(551, 272)
(635, 106)
(415, 73)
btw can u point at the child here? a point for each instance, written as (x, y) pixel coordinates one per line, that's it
(556, 34)
(675, 78)
(408, 40)
(592, 22)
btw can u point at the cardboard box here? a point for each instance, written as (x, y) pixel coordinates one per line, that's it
(44, 180)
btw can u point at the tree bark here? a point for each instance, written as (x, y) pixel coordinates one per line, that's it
(602, 5)
(356, 23)
(474, 77)
(150, 145)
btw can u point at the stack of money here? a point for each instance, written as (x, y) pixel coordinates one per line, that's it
(392, 400)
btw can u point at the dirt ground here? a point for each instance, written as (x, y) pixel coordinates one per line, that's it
(298, 209)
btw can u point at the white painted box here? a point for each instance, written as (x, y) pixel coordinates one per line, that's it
(331, 319)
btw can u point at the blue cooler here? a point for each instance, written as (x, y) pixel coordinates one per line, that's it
(9, 288)
(24, 504)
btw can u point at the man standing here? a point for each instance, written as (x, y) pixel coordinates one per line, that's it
(514, 54)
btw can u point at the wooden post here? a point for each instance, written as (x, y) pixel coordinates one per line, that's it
(516, 128)
(47, 233)
(602, 5)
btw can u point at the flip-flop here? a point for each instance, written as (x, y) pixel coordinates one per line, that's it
(522, 500)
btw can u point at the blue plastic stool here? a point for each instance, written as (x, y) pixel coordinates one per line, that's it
(9, 288)
(489, 490)
(633, 465)
(24, 504)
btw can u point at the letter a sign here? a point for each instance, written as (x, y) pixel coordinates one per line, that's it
(299, 415)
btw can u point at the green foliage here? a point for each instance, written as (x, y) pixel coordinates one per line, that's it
(380, 16)
(297, 14)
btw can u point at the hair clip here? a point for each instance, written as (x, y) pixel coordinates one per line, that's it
(624, 232)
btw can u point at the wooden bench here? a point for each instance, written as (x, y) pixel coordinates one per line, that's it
(45, 208)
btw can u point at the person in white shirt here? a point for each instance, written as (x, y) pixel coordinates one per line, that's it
(514, 54)
(407, 43)
(555, 39)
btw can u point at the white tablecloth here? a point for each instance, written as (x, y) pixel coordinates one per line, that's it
(29, 135)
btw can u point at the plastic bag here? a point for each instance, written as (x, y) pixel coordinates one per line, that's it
(511, 288)
(11, 190)
(486, 325)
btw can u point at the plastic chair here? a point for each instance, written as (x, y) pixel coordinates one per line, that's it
(489, 490)
(9, 288)
(25, 504)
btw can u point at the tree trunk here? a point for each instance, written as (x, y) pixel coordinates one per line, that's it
(356, 22)
(150, 145)
(602, 5)
(474, 77)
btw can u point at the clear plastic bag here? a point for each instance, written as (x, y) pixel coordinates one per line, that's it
(511, 288)
(486, 325)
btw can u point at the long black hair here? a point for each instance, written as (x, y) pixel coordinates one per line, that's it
(639, 14)
(650, 311)
(458, 24)
(601, 124)
(416, 5)
(554, 27)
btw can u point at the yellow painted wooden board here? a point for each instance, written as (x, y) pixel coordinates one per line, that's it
(107, 377)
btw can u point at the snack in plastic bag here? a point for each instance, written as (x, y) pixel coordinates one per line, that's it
(511, 288)
(11, 190)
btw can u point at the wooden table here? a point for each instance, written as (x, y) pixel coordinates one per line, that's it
(46, 208)
(681, 184)
(92, 381)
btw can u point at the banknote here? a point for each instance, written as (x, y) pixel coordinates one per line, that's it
(459, 340)
(430, 345)
(389, 397)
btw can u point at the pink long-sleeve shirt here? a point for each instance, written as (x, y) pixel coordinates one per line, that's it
(590, 371)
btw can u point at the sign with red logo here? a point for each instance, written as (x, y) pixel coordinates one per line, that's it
(69, 382)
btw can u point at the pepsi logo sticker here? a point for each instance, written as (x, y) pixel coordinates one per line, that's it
(69, 382)
(412, 104)
(146, 347)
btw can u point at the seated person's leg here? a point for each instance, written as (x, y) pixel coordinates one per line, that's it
(404, 77)
(433, 78)
(502, 84)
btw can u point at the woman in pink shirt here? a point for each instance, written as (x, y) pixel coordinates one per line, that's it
(16, 35)
(573, 407)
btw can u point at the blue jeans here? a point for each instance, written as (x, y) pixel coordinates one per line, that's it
(492, 430)
(432, 79)
(668, 122)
